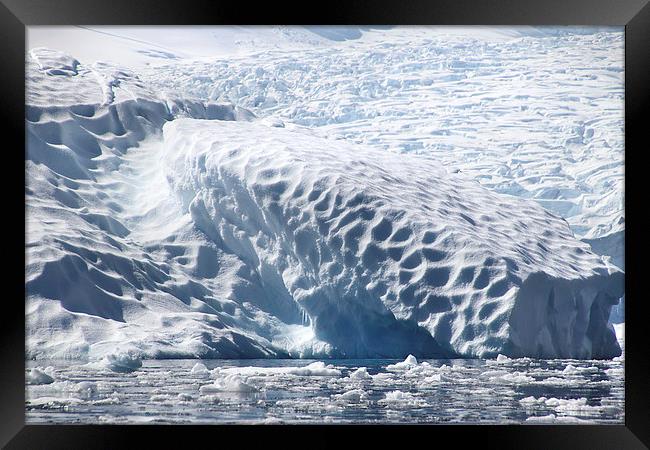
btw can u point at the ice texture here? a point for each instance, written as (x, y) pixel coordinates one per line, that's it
(357, 237)
(179, 225)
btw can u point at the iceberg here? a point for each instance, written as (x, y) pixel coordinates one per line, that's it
(187, 229)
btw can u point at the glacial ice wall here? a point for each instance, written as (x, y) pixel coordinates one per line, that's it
(351, 233)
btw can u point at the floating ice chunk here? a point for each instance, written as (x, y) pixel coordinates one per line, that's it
(559, 381)
(514, 378)
(353, 396)
(419, 370)
(408, 363)
(229, 383)
(161, 398)
(360, 374)
(272, 421)
(182, 397)
(210, 398)
(400, 399)
(382, 378)
(114, 400)
(122, 362)
(569, 406)
(532, 401)
(542, 419)
(570, 370)
(317, 368)
(552, 418)
(54, 402)
(501, 359)
(494, 373)
(572, 406)
(615, 372)
(436, 378)
(38, 375)
(199, 369)
(85, 390)
(398, 396)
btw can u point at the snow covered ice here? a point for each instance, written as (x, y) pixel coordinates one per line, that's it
(325, 193)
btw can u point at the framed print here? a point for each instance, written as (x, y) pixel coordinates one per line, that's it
(377, 220)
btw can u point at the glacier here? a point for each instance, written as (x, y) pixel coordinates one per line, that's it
(188, 226)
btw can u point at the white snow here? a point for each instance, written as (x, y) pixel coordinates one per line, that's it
(369, 212)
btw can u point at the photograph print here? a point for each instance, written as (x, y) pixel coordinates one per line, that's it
(324, 224)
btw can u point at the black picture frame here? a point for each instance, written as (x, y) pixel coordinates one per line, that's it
(15, 15)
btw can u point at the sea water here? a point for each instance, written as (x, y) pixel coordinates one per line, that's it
(499, 391)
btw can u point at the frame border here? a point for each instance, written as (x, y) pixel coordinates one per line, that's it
(15, 15)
